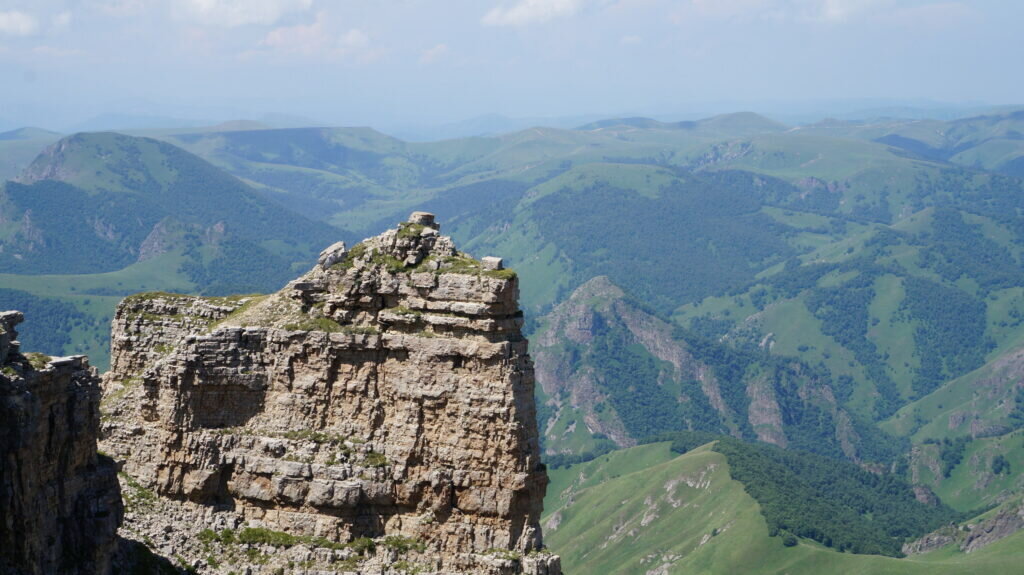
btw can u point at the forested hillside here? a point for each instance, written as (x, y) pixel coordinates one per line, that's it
(851, 289)
(93, 206)
(736, 508)
(613, 374)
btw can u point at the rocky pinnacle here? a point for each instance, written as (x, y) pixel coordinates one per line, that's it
(60, 505)
(383, 400)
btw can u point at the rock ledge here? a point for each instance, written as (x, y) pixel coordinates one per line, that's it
(383, 400)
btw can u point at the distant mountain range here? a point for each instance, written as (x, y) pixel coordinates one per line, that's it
(99, 202)
(850, 288)
(105, 204)
(28, 134)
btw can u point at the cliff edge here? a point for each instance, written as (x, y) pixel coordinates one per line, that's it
(60, 505)
(374, 416)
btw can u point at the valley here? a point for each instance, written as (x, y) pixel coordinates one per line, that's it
(648, 509)
(848, 289)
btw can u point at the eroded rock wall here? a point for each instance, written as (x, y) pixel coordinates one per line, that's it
(60, 505)
(387, 394)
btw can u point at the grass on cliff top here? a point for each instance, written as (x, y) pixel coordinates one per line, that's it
(357, 252)
(642, 509)
(278, 311)
(38, 360)
(465, 264)
(264, 310)
(217, 300)
(459, 264)
(410, 230)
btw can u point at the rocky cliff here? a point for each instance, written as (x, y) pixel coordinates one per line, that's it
(60, 505)
(374, 416)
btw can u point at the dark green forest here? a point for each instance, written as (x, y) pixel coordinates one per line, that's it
(835, 503)
(51, 321)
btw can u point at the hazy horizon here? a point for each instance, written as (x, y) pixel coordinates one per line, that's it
(400, 64)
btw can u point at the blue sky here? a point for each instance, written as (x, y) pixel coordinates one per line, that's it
(380, 62)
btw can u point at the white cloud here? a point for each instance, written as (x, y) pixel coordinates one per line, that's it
(431, 55)
(18, 23)
(302, 39)
(234, 13)
(354, 39)
(841, 10)
(828, 11)
(526, 12)
(317, 40)
(61, 21)
(118, 8)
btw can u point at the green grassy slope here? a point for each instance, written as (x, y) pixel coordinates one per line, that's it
(641, 510)
(99, 202)
(961, 428)
(663, 211)
(92, 297)
(820, 243)
(367, 177)
(99, 216)
(974, 482)
(991, 142)
(862, 303)
(983, 402)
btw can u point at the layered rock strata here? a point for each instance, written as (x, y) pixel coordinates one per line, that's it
(60, 505)
(383, 400)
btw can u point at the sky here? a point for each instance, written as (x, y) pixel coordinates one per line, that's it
(388, 62)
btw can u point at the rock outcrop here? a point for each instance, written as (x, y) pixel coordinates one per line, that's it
(374, 416)
(60, 505)
(1005, 521)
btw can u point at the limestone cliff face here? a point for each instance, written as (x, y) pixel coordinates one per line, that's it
(60, 505)
(387, 394)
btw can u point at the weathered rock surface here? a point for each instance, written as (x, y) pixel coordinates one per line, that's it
(1008, 520)
(386, 394)
(60, 505)
(933, 541)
